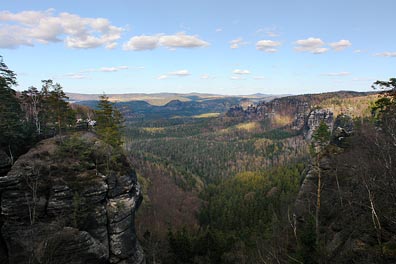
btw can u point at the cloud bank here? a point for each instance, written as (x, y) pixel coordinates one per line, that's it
(30, 27)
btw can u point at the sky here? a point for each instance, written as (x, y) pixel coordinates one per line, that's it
(223, 47)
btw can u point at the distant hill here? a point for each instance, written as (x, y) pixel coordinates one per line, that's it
(164, 98)
(169, 105)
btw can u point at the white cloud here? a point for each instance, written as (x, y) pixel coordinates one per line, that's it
(84, 74)
(237, 43)
(180, 73)
(150, 42)
(13, 36)
(259, 77)
(108, 69)
(312, 45)
(270, 31)
(162, 77)
(204, 76)
(358, 51)
(142, 42)
(238, 71)
(336, 74)
(237, 78)
(181, 40)
(77, 76)
(340, 45)
(31, 27)
(268, 45)
(219, 29)
(386, 54)
(113, 69)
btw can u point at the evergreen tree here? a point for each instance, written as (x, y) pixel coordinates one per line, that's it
(32, 102)
(321, 136)
(61, 112)
(109, 122)
(385, 107)
(11, 115)
(320, 139)
(55, 110)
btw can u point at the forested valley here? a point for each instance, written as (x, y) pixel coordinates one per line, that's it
(298, 179)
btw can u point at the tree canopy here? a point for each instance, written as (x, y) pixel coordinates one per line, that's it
(109, 122)
(11, 114)
(387, 102)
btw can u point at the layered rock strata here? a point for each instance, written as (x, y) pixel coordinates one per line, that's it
(65, 203)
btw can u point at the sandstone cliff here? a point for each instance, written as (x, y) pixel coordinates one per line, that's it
(70, 200)
(301, 112)
(357, 216)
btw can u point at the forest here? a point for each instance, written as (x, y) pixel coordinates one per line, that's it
(245, 185)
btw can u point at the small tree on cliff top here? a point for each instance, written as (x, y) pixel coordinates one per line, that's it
(109, 122)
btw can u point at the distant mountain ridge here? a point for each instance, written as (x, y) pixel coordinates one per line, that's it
(164, 98)
(171, 105)
(139, 106)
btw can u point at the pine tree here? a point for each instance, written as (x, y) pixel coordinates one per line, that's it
(11, 115)
(320, 138)
(32, 100)
(109, 122)
(55, 110)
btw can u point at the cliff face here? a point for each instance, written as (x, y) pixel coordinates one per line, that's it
(313, 120)
(292, 109)
(70, 202)
(301, 112)
(357, 215)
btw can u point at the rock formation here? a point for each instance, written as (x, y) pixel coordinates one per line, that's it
(294, 112)
(290, 108)
(70, 200)
(342, 129)
(314, 119)
(356, 219)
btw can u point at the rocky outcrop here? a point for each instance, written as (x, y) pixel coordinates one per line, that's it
(342, 129)
(289, 108)
(356, 215)
(70, 201)
(314, 119)
(292, 112)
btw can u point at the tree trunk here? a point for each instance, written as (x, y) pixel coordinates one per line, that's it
(318, 201)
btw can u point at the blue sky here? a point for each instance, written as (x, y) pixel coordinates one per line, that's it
(226, 47)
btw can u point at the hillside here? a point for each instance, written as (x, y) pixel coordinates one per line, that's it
(160, 99)
(225, 180)
(141, 107)
(189, 155)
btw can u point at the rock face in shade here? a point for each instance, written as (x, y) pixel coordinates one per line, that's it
(5, 163)
(70, 202)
